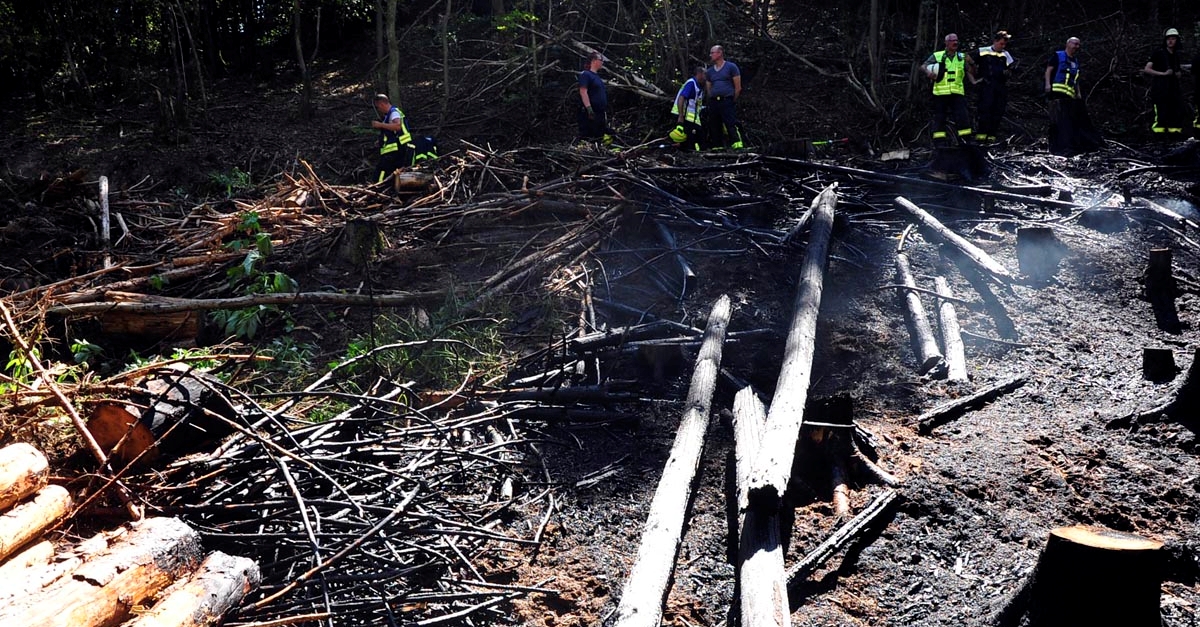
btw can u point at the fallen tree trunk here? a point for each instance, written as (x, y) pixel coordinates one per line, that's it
(204, 598)
(956, 357)
(19, 566)
(762, 593)
(942, 414)
(23, 471)
(944, 234)
(104, 590)
(241, 302)
(687, 276)
(852, 529)
(646, 588)
(33, 517)
(773, 465)
(929, 357)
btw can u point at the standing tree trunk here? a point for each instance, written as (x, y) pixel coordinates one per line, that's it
(380, 50)
(393, 45)
(306, 104)
(915, 76)
(445, 65)
(874, 51)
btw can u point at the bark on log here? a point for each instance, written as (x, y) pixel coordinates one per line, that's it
(762, 593)
(104, 590)
(645, 590)
(359, 242)
(944, 234)
(203, 599)
(773, 466)
(400, 299)
(929, 357)
(942, 414)
(18, 568)
(956, 356)
(1092, 576)
(23, 471)
(149, 324)
(29, 519)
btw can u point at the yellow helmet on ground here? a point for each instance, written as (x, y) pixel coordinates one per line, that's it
(678, 134)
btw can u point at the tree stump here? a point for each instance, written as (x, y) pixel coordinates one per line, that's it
(1158, 364)
(1160, 288)
(361, 240)
(1104, 220)
(1094, 576)
(1038, 252)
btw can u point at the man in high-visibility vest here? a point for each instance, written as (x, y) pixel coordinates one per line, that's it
(686, 109)
(1071, 130)
(948, 69)
(993, 65)
(395, 142)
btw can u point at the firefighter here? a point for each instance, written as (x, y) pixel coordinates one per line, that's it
(1071, 130)
(396, 146)
(948, 69)
(1171, 112)
(993, 65)
(687, 107)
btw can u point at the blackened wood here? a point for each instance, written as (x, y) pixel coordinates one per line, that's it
(645, 590)
(1158, 364)
(944, 413)
(952, 343)
(1160, 288)
(687, 276)
(972, 252)
(206, 596)
(840, 538)
(1090, 575)
(773, 466)
(924, 345)
(1182, 403)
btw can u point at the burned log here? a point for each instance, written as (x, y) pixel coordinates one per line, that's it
(853, 528)
(942, 414)
(23, 471)
(762, 593)
(1158, 364)
(204, 598)
(773, 466)
(1176, 219)
(104, 590)
(645, 590)
(956, 358)
(945, 235)
(33, 517)
(1090, 576)
(925, 348)
(1161, 289)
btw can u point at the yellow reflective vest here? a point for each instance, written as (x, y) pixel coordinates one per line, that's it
(950, 79)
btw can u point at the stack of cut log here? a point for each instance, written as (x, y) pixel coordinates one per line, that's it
(148, 573)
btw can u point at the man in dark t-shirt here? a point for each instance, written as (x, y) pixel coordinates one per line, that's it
(593, 112)
(724, 80)
(1171, 112)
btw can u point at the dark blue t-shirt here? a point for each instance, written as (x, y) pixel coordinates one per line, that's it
(722, 80)
(595, 89)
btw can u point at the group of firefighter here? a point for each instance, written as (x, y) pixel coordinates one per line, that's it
(706, 118)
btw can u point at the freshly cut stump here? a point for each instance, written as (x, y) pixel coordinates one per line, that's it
(1091, 575)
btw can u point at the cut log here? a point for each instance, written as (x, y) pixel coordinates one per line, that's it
(1038, 252)
(412, 181)
(149, 325)
(31, 518)
(645, 590)
(203, 599)
(762, 593)
(23, 471)
(104, 590)
(1091, 576)
(120, 434)
(18, 568)
(1176, 219)
(956, 356)
(925, 348)
(1158, 364)
(942, 414)
(773, 465)
(939, 231)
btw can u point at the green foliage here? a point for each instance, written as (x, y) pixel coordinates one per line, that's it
(158, 282)
(19, 366)
(438, 351)
(249, 277)
(85, 353)
(513, 19)
(231, 181)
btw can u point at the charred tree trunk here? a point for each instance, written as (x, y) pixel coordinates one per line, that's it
(956, 356)
(1161, 289)
(925, 348)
